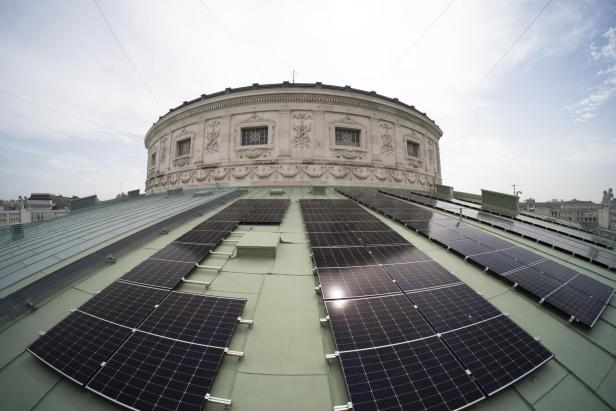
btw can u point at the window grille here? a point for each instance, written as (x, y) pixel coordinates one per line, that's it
(412, 148)
(347, 137)
(254, 135)
(182, 148)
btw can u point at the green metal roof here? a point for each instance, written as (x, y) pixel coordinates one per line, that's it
(284, 366)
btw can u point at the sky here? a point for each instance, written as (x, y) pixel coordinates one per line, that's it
(524, 90)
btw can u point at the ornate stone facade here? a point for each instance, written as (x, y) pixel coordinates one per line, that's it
(295, 127)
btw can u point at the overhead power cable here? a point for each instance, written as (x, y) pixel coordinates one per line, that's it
(145, 84)
(237, 44)
(64, 113)
(29, 120)
(501, 58)
(420, 37)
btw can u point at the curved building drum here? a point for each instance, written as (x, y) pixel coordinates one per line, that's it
(293, 134)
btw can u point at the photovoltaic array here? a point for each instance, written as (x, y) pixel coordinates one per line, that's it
(392, 310)
(542, 232)
(144, 346)
(579, 296)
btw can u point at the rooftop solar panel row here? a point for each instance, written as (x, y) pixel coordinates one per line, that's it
(526, 269)
(375, 323)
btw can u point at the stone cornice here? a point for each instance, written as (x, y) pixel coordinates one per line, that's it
(291, 96)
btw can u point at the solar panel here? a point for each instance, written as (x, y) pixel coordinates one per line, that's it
(216, 226)
(355, 282)
(592, 288)
(394, 254)
(497, 352)
(123, 303)
(195, 318)
(556, 271)
(320, 227)
(158, 273)
(151, 372)
(467, 247)
(441, 234)
(202, 237)
(494, 242)
(368, 226)
(78, 345)
(380, 237)
(496, 262)
(342, 257)
(534, 281)
(583, 307)
(420, 275)
(343, 238)
(375, 321)
(453, 307)
(523, 255)
(419, 375)
(188, 253)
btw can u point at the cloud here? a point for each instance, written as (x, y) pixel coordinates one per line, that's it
(587, 107)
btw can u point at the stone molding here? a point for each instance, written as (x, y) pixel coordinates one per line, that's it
(291, 174)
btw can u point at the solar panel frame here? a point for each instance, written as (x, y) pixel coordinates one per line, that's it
(339, 239)
(581, 306)
(492, 351)
(453, 307)
(202, 237)
(158, 273)
(124, 303)
(78, 345)
(402, 377)
(342, 257)
(152, 372)
(351, 282)
(420, 275)
(189, 253)
(396, 254)
(221, 226)
(375, 321)
(497, 262)
(591, 287)
(533, 281)
(195, 318)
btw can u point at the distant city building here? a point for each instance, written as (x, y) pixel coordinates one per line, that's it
(583, 212)
(39, 206)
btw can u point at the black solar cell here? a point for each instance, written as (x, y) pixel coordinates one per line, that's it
(123, 303)
(342, 257)
(154, 373)
(375, 321)
(394, 254)
(317, 227)
(523, 255)
(497, 352)
(158, 273)
(533, 281)
(453, 307)
(467, 247)
(583, 307)
(195, 318)
(496, 261)
(202, 237)
(78, 345)
(216, 226)
(368, 226)
(416, 276)
(188, 253)
(421, 375)
(380, 237)
(556, 271)
(340, 239)
(355, 282)
(591, 287)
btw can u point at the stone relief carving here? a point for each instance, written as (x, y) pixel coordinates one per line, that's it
(211, 137)
(387, 146)
(163, 149)
(182, 161)
(256, 153)
(350, 155)
(302, 130)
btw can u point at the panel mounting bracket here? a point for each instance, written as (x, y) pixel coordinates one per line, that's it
(324, 320)
(249, 323)
(204, 283)
(331, 357)
(317, 289)
(210, 267)
(571, 318)
(345, 407)
(42, 333)
(217, 400)
(238, 354)
(224, 253)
